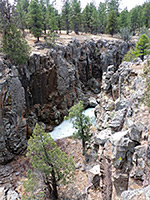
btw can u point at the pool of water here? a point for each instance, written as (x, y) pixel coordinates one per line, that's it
(65, 129)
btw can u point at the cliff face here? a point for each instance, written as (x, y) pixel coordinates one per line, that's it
(121, 142)
(48, 86)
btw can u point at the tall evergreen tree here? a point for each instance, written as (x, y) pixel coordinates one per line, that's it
(81, 123)
(124, 19)
(135, 19)
(15, 46)
(94, 21)
(86, 19)
(113, 5)
(52, 18)
(112, 23)
(52, 163)
(35, 19)
(44, 6)
(102, 15)
(90, 18)
(66, 14)
(60, 22)
(142, 46)
(21, 18)
(146, 14)
(76, 16)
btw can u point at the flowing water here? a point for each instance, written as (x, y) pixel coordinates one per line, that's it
(65, 129)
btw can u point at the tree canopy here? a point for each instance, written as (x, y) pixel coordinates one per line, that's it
(39, 16)
(49, 160)
(81, 123)
(142, 47)
(35, 18)
(42, 17)
(15, 46)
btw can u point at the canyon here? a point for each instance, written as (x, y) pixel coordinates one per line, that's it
(45, 88)
(117, 166)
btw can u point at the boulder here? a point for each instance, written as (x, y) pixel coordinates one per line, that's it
(94, 86)
(135, 133)
(102, 137)
(139, 165)
(122, 150)
(94, 175)
(92, 102)
(2, 193)
(12, 195)
(121, 104)
(120, 181)
(118, 120)
(143, 194)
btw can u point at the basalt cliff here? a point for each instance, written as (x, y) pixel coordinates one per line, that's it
(48, 85)
(118, 165)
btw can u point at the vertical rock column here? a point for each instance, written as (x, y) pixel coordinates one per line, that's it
(5, 155)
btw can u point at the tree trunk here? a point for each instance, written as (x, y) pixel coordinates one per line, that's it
(54, 185)
(83, 145)
(23, 32)
(45, 29)
(47, 183)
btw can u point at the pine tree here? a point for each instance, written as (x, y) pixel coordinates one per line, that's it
(111, 23)
(135, 19)
(146, 14)
(113, 5)
(66, 14)
(124, 19)
(81, 123)
(15, 46)
(142, 47)
(49, 160)
(60, 22)
(86, 18)
(102, 17)
(76, 16)
(22, 9)
(94, 21)
(52, 18)
(35, 19)
(44, 14)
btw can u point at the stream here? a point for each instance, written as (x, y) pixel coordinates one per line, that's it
(65, 129)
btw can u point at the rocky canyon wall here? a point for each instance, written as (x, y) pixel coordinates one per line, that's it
(45, 88)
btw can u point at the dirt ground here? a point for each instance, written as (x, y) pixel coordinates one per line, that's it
(63, 39)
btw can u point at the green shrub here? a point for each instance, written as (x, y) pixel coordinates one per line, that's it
(129, 56)
(125, 34)
(51, 39)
